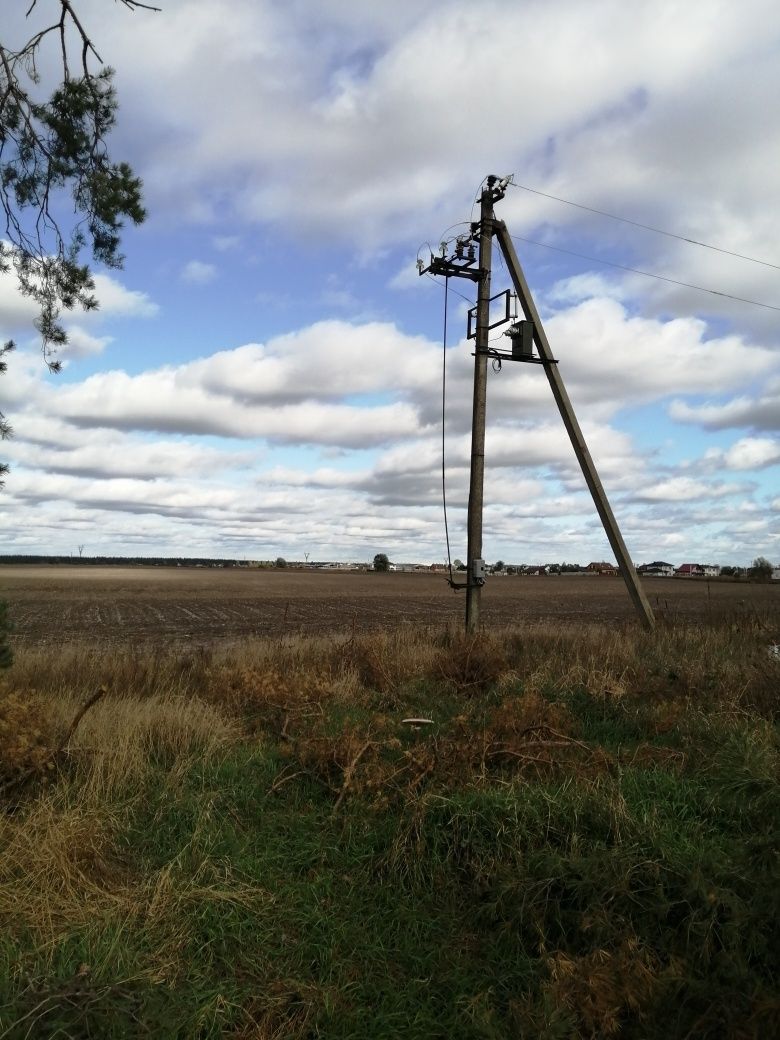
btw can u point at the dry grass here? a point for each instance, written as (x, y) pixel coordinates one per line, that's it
(531, 733)
(27, 733)
(597, 991)
(323, 700)
(728, 657)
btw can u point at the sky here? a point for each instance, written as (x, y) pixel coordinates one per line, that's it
(263, 378)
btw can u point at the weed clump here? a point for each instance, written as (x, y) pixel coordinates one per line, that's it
(27, 735)
(262, 698)
(597, 994)
(471, 664)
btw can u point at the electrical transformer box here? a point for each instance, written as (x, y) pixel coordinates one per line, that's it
(522, 337)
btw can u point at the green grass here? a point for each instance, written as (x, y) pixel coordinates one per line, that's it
(325, 871)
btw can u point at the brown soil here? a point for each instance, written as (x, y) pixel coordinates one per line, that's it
(118, 604)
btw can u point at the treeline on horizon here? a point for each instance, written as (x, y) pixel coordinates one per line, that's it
(129, 561)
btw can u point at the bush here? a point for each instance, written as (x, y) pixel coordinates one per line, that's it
(761, 569)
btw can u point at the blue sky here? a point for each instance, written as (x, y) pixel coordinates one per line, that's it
(263, 377)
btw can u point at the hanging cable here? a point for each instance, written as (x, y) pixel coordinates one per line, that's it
(646, 274)
(645, 227)
(443, 420)
(451, 290)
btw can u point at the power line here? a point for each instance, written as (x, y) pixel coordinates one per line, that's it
(647, 274)
(646, 227)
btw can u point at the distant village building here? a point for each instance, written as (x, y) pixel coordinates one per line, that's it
(656, 569)
(690, 570)
(602, 568)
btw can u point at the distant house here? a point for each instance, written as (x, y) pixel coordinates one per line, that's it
(656, 569)
(711, 570)
(690, 570)
(602, 568)
(776, 574)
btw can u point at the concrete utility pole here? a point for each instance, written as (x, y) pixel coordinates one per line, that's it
(475, 563)
(587, 466)
(523, 335)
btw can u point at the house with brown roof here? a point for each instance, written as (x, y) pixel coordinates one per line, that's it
(602, 568)
(690, 570)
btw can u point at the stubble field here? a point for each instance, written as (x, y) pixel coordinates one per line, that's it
(115, 604)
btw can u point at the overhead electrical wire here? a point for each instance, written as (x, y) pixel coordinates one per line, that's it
(590, 259)
(646, 274)
(645, 227)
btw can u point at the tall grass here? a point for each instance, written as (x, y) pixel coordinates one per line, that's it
(580, 841)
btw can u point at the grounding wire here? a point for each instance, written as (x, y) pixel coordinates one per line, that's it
(646, 274)
(646, 227)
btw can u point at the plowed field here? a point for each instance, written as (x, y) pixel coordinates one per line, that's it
(115, 604)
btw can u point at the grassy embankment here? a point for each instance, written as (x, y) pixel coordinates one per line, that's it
(583, 843)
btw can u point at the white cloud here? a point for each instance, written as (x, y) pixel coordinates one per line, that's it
(82, 343)
(115, 299)
(381, 114)
(195, 272)
(17, 312)
(686, 489)
(161, 401)
(747, 453)
(394, 89)
(223, 243)
(761, 412)
(114, 454)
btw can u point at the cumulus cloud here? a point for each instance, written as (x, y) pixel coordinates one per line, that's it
(116, 299)
(367, 75)
(159, 401)
(114, 454)
(379, 115)
(338, 385)
(377, 162)
(686, 489)
(17, 312)
(759, 412)
(746, 453)
(82, 343)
